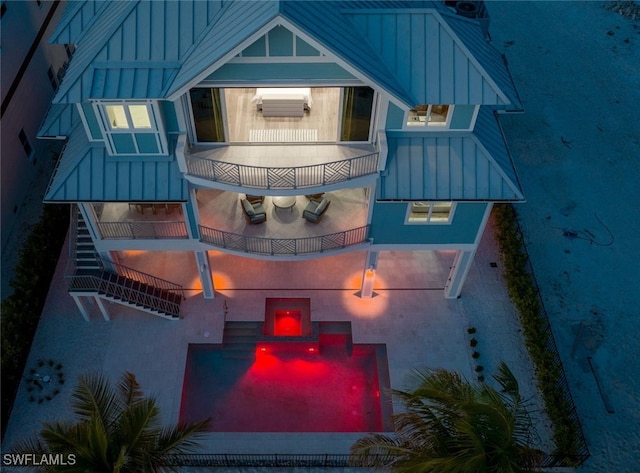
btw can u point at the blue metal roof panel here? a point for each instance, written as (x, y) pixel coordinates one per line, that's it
(432, 60)
(87, 173)
(78, 76)
(232, 25)
(490, 60)
(60, 120)
(448, 167)
(113, 82)
(76, 18)
(328, 23)
(489, 133)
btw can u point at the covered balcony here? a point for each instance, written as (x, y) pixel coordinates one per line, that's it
(282, 166)
(285, 232)
(223, 223)
(144, 220)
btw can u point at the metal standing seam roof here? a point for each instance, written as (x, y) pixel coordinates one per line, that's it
(416, 42)
(60, 120)
(391, 43)
(87, 173)
(236, 22)
(446, 167)
(138, 44)
(76, 18)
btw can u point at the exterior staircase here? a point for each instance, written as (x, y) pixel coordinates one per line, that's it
(92, 275)
(240, 339)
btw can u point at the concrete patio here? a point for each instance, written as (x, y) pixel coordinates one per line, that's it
(409, 314)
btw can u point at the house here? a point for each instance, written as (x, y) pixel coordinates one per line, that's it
(31, 71)
(183, 119)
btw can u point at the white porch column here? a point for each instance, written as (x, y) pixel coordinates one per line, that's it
(458, 274)
(369, 275)
(206, 278)
(463, 260)
(83, 311)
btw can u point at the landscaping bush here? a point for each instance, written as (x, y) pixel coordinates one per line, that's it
(567, 434)
(21, 310)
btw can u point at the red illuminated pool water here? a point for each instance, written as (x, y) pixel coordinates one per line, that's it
(336, 387)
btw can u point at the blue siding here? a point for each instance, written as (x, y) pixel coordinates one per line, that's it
(280, 42)
(461, 118)
(168, 111)
(305, 49)
(388, 227)
(257, 49)
(395, 117)
(261, 73)
(92, 121)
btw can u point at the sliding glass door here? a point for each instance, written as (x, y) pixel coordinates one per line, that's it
(207, 115)
(357, 104)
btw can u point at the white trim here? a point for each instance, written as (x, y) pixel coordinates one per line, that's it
(474, 117)
(282, 60)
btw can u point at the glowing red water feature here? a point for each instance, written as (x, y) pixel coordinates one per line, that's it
(288, 323)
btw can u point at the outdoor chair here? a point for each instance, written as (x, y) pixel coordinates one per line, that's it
(254, 213)
(315, 210)
(255, 198)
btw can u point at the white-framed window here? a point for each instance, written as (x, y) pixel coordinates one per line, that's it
(429, 213)
(430, 115)
(131, 127)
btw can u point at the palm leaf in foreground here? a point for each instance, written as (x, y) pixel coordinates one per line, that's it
(448, 425)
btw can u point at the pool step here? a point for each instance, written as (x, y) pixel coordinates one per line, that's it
(239, 339)
(335, 328)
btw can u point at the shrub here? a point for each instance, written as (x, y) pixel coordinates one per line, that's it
(21, 310)
(567, 435)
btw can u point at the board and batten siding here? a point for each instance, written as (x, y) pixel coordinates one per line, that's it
(263, 73)
(388, 225)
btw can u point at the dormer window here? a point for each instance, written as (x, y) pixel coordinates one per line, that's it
(424, 213)
(132, 128)
(429, 115)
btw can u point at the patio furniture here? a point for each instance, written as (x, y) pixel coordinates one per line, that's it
(318, 197)
(254, 198)
(254, 213)
(284, 202)
(315, 210)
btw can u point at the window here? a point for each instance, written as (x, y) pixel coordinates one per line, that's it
(132, 128)
(422, 213)
(429, 115)
(24, 141)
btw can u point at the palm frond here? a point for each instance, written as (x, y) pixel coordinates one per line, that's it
(130, 390)
(182, 438)
(94, 397)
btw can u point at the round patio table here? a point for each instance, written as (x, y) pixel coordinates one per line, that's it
(284, 202)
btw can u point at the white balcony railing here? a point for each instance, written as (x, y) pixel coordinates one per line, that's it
(284, 246)
(295, 177)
